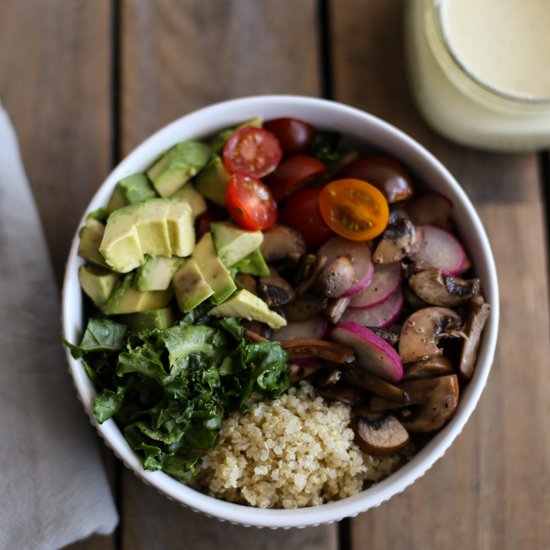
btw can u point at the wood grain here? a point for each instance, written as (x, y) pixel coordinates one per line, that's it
(491, 488)
(55, 84)
(178, 56)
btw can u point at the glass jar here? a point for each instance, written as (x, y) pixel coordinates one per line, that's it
(463, 99)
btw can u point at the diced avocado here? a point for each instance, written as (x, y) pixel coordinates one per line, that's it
(213, 270)
(249, 306)
(234, 243)
(129, 190)
(181, 228)
(253, 264)
(156, 273)
(121, 245)
(147, 320)
(97, 283)
(190, 286)
(211, 182)
(90, 240)
(100, 214)
(159, 227)
(189, 194)
(126, 299)
(176, 166)
(219, 140)
(153, 227)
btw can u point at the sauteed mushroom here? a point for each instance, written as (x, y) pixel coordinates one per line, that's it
(354, 375)
(400, 239)
(301, 372)
(435, 288)
(281, 241)
(433, 403)
(274, 290)
(478, 314)
(304, 308)
(310, 347)
(335, 278)
(336, 308)
(380, 434)
(434, 366)
(341, 392)
(422, 331)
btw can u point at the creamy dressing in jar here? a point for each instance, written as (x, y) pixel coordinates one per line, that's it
(480, 70)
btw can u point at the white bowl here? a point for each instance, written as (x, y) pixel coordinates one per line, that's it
(378, 134)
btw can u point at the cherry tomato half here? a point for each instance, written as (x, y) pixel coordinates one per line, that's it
(382, 172)
(354, 209)
(294, 135)
(252, 151)
(250, 202)
(292, 174)
(301, 212)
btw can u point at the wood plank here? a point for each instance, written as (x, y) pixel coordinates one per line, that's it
(55, 85)
(55, 78)
(490, 489)
(177, 56)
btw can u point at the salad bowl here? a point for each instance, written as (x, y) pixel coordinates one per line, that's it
(362, 128)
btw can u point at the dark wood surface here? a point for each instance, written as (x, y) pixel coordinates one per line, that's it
(85, 81)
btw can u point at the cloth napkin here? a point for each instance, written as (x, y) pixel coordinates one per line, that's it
(53, 487)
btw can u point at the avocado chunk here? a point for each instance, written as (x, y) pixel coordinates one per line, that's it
(247, 305)
(147, 320)
(90, 240)
(190, 195)
(156, 273)
(253, 264)
(181, 228)
(120, 245)
(220, 138)
(211, 182)
(129, 190)
(213, 270)
(126, 299)
(233, 243)
(190, 286)
(159, 227)
(153, 227)
(97, 283)
(177, 166)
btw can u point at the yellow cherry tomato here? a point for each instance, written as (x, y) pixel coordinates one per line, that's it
(354, 209)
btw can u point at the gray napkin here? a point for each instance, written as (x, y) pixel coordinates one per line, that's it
(53, 487)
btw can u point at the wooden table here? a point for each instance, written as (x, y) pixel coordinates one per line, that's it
(86, 80)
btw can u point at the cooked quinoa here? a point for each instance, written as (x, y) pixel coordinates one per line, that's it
(293, 452)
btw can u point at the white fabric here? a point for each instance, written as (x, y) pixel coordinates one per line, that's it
(53, 487)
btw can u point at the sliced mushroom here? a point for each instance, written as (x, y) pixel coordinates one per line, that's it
(328, 377)
(304, 308)
(398, 241)
(412, 300)
(323, 349)
(336, 308)
(346, 394)
(301, 372)
(422, 331)
(390, 335)
(248, 282)
(433, 403)
(478, 313)
(435, 288)
(275, 291)
(354, 375)
(308, 270)
(430, 368)
(335, 278)
(281, 241)
(254, 335)
(380, 434)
